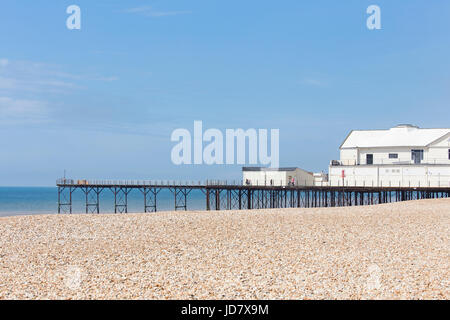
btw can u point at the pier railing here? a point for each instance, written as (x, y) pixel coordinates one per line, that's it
(382, 183)
(106, 183)
(391, 162)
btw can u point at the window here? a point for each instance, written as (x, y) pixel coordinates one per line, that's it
(393, 155)
(417, 156)
(369, 158)
(448, 154)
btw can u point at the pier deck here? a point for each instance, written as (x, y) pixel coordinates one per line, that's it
(223, 195)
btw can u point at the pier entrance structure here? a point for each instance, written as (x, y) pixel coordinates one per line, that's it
(222, 195)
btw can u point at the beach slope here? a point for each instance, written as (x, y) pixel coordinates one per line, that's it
(393, 251)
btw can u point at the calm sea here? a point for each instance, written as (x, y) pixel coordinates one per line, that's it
(42, 200)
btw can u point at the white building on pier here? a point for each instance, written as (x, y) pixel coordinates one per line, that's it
(257, 176)
(404, 156)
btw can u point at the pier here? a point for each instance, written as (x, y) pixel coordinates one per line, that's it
(223, 195)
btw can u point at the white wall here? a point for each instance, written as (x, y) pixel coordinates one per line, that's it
(279, 178)
(395, 175)
(320, 179)
(262, 178)
(381, 155)
(349, 157)
(303, 178)
(436, 154)
(438, 151)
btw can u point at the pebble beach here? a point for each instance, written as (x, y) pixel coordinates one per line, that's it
(390, 251)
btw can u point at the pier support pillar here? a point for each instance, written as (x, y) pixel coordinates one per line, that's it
(208, 207)
(65, 199)
(150, 198)
(180, 197)
(92, 195)
(120, 199)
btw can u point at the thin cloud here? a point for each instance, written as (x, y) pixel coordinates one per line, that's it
(27, 76)
(106, 79)
(313, 82)
(4, 62)
(148, 11)
(35, 85)
(108, 52)
(14, 111)
(139, 9)
(8, 83)
(28, 90)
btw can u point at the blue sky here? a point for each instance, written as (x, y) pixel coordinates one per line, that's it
(101, 102)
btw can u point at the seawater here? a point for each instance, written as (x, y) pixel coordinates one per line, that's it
(44, 200)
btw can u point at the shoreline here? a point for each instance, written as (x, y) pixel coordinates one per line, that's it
(27, 214)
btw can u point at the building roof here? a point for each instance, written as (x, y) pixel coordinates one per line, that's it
(404, 135)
